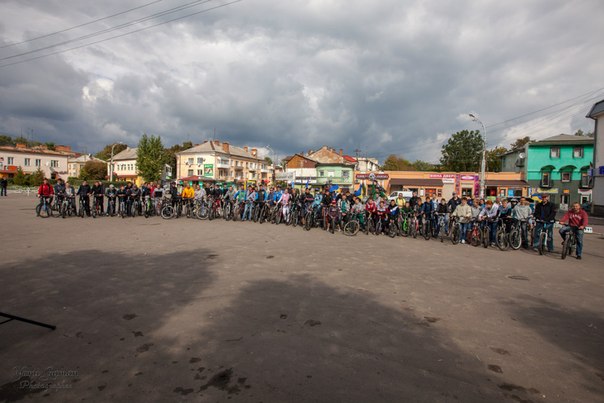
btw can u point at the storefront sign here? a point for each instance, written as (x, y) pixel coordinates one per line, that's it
(440, 176)
(469, 177)
(585, 192)
(208, 170)
(286, 176)
(373, 176)
(551, 191)
(448, 180)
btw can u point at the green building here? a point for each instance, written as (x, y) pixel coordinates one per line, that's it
(335, 174)
(557, 165)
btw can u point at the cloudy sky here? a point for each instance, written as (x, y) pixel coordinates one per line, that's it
(381, 76)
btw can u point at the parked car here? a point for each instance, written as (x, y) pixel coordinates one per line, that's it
(406, 195)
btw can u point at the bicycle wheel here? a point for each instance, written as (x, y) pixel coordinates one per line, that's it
(413, 229)
(44, 210)
(392, 230)
(308, 221)
(542, 240)
(485, 237)
(501, 239)
(515, 238)
(426, 230)
(405, 228)
(455, 234)
(351, 228)
(566, 246)
(377, 229)
(167, 212)
(476, 237)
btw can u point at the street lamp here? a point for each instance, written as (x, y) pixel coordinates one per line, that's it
(111, 163)
(484, 155)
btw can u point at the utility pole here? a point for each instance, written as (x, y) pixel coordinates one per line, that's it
(357, 152)
(484, 156)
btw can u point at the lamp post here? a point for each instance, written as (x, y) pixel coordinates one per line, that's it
(483, 163)
(273, 153)
(111, 163)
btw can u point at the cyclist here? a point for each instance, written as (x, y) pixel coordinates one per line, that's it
(574, 220)
(84, 191)
(464, 212)
(122, 197)
(522, 212)
(98, 192)
(358, 210)
(344, 208)
(59, 191)
(393, 212)
(415, 200)
(250, 200)
(545, 213)
(400, 201)
(453, 202)
(70, 193)
(111, 194)
(488, 216)
(188, 193)
(382, 213)
(371, 209)
(426, 210)
(284, 200)
(45, 191)
(442, 209)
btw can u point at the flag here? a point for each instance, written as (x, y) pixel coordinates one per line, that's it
(307, 182)
(359, 191)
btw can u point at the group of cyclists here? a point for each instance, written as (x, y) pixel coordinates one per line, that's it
(492, 222)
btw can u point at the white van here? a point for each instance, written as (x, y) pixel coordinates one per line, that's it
(406, 195)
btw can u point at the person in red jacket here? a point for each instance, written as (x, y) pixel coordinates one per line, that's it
(574, 220)
(47, 191)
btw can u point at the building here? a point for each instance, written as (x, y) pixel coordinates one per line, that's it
(53, 163)
(365, 164)
(443, 184)
(76, 163)
(597, 114)
(124, 166)
(332, 168)
(301, 170)
(215, 161)
(558, 166)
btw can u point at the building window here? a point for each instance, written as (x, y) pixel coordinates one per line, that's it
(27, 162)
(321, 173)
(190, 161)
(190, 172)
(54, 164)
(554, 152)
(10, 160)
(345, 174)
(578, 152)
(466, 192)
(585, 179)
(38, 162)
(200, 172)
(566, 176)
(546, 179)
(199, 160)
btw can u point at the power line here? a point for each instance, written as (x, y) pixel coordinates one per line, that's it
(111, 29)
(79, 25)
(122, 35)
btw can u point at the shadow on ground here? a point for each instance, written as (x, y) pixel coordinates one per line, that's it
(143, 327)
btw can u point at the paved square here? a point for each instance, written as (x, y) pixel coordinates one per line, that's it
(174, 310)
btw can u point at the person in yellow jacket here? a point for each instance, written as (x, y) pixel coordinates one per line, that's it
(188, 193)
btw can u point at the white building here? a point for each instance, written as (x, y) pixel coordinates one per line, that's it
(53, 163)
(75, 164)
(597, 114)
(124, 166)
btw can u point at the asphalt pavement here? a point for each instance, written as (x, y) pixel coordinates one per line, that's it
(156, 310)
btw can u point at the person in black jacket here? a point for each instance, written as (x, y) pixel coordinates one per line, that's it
(99, 192)
(84, 192)
(546, 212)
(453, 202)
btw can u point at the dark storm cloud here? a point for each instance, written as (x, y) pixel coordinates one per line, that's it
(386, 77)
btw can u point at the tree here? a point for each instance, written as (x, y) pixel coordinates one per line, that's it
(494, 158)
(268, 160)
(50, 145)
(20, 179)
(520, 143)
(36, 178)
(93, 170)
(171, 153)
(395, 163)
(150, 158)
(462, 151)
(6, 141)
(105, 153)
(581, 133)
(420, 165)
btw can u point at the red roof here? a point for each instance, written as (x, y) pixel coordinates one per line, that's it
(348, 158)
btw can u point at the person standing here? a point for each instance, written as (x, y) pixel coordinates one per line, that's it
(574, 220)
(545, 213)
(3, 186)
(84, 191)
(464, 212)
(522, 212)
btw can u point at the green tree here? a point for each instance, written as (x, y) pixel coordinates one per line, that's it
(420, 165)
(105, 153)
(395, 163)
(268, 160)
(462, 151)
(581, 133)
(150, 158)
(36, 178)
(494, 158)
(171, 153)
(6, 140)
(520, 143)
(20, 179)
(50, 145)
(93, 170)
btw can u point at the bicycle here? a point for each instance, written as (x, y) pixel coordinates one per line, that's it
(515, 235)
(395, 226)
(148, 206)
(122, 206)
(96, 206)
(426, 227)
(476, 234)
(82, 206)
(111, 205)
(44, 209)
(441, 220)
(188, 207)
(135, 207)
(455, 228)
(569, 243)
(352, 227)
(413, 225)
(502, 235)
(542, 235)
